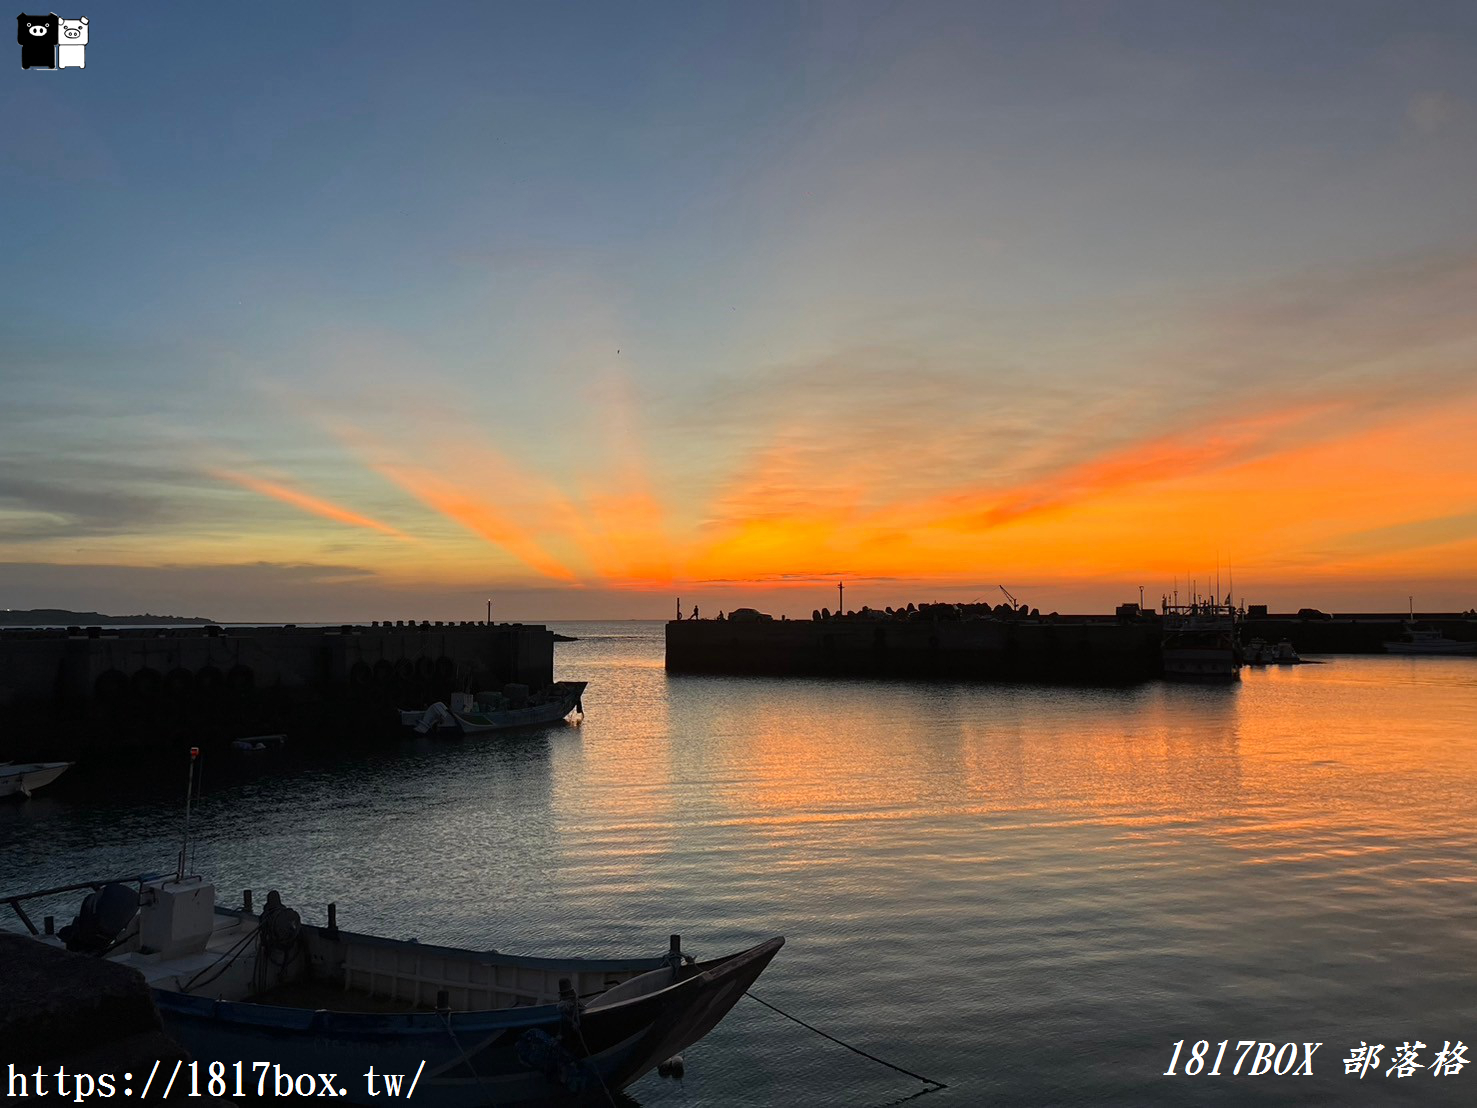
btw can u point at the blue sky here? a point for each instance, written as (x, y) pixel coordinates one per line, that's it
(647, 247)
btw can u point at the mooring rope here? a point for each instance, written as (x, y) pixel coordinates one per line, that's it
(848, 1046)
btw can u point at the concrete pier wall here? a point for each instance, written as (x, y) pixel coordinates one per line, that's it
(90, 687)
(1053, 648)
(1103, 650)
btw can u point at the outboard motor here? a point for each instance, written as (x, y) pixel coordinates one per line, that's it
(101, 919)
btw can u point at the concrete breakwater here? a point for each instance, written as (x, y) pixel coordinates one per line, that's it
(1004, 646)
(76, 688)
(1083, 649)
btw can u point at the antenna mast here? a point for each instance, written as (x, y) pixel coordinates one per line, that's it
(189, 787)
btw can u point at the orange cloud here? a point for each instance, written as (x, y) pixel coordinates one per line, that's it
(308, 503)
(474, 511)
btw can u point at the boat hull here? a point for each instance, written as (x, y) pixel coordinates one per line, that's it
(513, 1056)
(23, 780)
(566, 698)
(1443, 647)
(1210, 664)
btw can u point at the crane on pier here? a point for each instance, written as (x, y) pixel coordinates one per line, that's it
(1014, 603)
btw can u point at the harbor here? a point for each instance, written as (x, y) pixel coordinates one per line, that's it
(1053, 423)
(963, 871)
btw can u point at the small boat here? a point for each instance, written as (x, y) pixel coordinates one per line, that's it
(1283, 654)
(499, 711)
(1259, 652)
(1427, 640)
(258, 742)
(26, 777)
(458, 1026)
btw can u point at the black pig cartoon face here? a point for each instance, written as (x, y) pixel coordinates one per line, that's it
(36, 30)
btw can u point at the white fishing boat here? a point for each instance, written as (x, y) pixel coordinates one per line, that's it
(455, 1026)
(1427, 640)
(499, 711)
(1259, 652)
(1419, 639)
(24, 778)
(1199, 642)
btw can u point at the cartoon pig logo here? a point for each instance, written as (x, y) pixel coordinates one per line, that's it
(37, 35)
(71, 50)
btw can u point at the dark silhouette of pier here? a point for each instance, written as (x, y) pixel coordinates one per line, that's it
(1001, 642)
(77, 688)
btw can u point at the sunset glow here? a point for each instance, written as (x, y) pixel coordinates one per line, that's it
(964, 302)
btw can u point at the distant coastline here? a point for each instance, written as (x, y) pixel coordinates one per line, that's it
(62, 617)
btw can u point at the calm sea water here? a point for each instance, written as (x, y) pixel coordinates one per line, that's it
(1026, 893)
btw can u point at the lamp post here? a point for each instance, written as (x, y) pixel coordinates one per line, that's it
(489, 612)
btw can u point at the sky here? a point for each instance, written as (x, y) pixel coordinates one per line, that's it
(347, 312)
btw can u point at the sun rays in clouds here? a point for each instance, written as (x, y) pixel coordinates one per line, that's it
(1250, 435)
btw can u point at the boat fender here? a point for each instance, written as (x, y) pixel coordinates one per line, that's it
(103, 915)
(672, 1067)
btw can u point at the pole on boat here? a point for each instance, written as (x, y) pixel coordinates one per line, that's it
(189, 787)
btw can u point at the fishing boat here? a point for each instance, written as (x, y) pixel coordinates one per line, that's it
(472, 1027)
(1418, 639)
(499, 711)
(456, 1026)
(1199, 642)
(24, 778)
(1427, 640)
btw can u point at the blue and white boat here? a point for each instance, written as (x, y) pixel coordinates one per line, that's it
(468, 1027)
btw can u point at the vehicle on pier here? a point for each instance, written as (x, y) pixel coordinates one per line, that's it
(1199, 642)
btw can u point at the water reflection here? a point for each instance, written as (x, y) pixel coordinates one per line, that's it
(964, 873)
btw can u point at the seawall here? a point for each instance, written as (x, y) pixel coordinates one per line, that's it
(1087, 649)
(1102, 650)
(70, 689)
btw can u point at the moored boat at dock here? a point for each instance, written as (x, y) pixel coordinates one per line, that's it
(512, 708)
(472, 1027)
(24, 778)
(1427, 640)
(1259, 652)
(1199, 642)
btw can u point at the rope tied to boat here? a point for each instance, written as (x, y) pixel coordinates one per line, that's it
(854, 1049)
